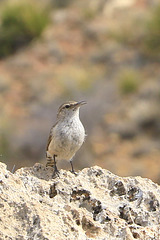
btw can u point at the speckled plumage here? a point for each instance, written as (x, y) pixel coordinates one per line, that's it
(67, 135)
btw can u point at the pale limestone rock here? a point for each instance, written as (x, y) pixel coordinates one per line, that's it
(95, 204)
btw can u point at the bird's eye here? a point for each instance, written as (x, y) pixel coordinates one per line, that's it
(67, 106)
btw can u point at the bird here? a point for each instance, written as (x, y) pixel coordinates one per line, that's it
(66, 135)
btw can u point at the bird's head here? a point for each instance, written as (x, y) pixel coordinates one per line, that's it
(69, 109)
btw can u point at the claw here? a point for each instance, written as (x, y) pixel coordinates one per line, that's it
(56, 171)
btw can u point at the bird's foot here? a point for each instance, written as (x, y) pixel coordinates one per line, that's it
(56, 172)
(72, 171)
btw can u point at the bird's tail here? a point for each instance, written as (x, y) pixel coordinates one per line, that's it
(50, 160)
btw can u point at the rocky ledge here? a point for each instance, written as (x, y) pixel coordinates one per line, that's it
(94, 204)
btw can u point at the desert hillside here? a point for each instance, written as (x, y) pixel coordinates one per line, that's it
(104, 52)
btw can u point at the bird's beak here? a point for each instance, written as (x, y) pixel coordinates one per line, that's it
(78, 104)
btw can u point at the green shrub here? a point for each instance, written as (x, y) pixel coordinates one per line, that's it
(21, 22)
(89, 13)
(152, 38)
(61, 3)
(128, 82)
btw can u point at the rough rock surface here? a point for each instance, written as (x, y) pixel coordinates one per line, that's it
(94, 204)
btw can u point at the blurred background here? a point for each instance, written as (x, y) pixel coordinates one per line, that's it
(106, 52)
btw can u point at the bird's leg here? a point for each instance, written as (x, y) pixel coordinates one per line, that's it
(72, 169)
(13, 169)
(56, 171)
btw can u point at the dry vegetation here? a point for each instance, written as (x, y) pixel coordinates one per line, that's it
(87, 52)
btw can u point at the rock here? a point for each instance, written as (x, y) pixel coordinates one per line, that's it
(94, 204)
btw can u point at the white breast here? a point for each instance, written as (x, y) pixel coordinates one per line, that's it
(67, 139)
